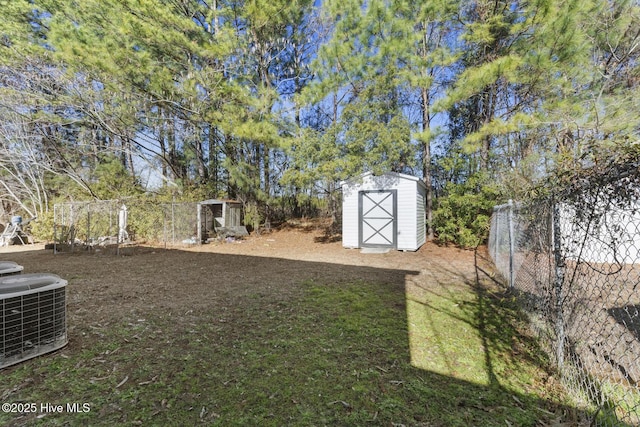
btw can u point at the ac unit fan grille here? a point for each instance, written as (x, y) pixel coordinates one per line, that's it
(32, 324)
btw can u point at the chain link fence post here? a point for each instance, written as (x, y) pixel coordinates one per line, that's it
(558, 282)
(512, 244)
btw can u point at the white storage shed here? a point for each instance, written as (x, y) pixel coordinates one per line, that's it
(385, 211)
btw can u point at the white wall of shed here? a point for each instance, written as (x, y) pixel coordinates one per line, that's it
(350, 215)
(407, 226)
(421, 218)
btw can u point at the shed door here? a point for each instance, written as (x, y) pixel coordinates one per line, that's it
(378, 219)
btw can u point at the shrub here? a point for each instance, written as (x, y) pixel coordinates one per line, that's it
(462, 216)
(42, 228)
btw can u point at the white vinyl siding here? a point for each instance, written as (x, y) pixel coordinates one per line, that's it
(421, 219)
(349, 217)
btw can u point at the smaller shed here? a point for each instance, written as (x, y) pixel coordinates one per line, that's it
(220, 218)
(385, 211)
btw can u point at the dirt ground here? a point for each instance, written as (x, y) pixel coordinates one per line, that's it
(105, 288)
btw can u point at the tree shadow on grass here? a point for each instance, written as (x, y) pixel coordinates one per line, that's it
(476, 337)
(177, 337)
(591, 388)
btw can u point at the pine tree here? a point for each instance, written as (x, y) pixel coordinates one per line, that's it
(424, 42)
(359, 87)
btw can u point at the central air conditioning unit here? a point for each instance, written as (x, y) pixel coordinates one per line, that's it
(8, 268)
(33, 315)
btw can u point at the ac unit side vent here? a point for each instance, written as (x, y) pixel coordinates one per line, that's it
(33, 315)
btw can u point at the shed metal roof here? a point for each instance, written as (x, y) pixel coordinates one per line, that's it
(219, 202)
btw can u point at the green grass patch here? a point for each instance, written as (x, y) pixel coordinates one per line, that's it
(349, 354)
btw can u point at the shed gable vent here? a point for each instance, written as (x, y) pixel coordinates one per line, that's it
(33, 316)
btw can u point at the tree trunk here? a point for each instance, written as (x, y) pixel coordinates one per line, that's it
(200, 164)
(426, 164)
(229, 151)
(425, 101)
(213, 172)
(163, 146)
(129, 154)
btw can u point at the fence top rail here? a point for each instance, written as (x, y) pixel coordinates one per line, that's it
(83, 203)
(126, 201)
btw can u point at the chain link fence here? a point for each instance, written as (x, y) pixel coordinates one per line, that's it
(112, 224)
(574, 264)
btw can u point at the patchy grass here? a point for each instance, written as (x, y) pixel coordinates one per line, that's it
(348, 354)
